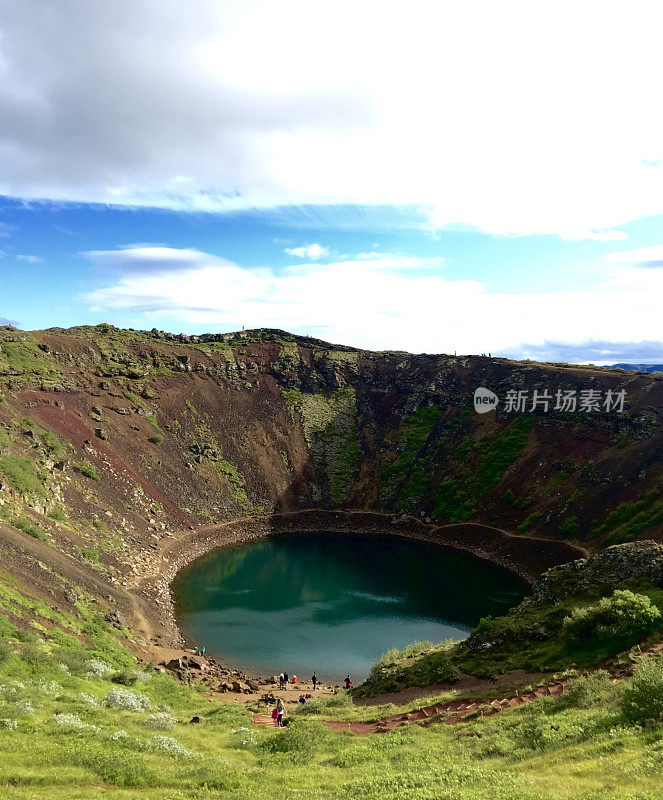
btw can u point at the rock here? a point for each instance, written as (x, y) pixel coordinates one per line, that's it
(603, 572)
(71, 595)
(194, 720)
(116, 619)
(100, 433)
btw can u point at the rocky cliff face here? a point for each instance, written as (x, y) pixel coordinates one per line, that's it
(110, 440)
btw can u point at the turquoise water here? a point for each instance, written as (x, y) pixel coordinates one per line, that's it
(333, 603)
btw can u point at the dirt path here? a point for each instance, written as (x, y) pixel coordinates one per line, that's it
(455, 711)
(450, 713)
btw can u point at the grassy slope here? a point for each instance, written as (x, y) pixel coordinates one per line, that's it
(551, 748)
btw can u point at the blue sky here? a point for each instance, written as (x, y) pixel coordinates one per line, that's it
(203, 171)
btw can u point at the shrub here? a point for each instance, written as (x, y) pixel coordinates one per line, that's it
(242, 738)
(8, 724)
(89, 554)
(157, 438)
(115, 768)
(87, 469)
(570, 526)
(166, 744)
(125, 700)
(124, 677)
(21, 708)
(624, 616)
(643, 699)
(298, 742)
(161, 721)
(26, 525)
(319, 704)
(98, 669)
(540, 732)
(50, 688)
(74, 725)
(6, 652)
(484, 625)
(587, 690)
(22, 474)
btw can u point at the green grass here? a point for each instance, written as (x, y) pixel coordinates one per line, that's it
(330, 429)
(500, 453)
(479, 467)
(87, 469)
(629, 520)
(534, 637)
(23, 475)
(66, 741)
(533, 518)
(26, 525)
(419, 664)
(450, 501)
(409, 476)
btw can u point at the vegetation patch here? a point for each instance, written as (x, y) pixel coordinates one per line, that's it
(23, 475)
(629, 520)
(409, 476)
(330, 430)
(88, 469)
(419, 664)
(26, 525)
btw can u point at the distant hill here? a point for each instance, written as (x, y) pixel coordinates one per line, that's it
(640, 367)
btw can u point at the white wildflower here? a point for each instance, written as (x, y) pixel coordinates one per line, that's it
(242, 737)
(126, 700)
(51, 688)
(98, 669)
(74, 723)
(167, 744)
(161, 721)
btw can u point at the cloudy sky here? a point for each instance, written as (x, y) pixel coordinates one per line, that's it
(431, 176)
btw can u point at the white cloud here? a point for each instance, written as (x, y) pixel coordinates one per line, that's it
(374, 303)
(313, 251)
(514, 117)
(29, 259)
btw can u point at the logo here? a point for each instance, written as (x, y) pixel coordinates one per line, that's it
(484, 400)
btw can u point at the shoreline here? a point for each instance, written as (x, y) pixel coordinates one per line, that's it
(526, 557)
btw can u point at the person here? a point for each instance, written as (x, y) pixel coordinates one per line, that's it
(281, 681)
(314, 680)
(286, 679)
(348, 682)
(275, 715)
(293, 680)
(202, 652)
(280, 713)
(302, 698)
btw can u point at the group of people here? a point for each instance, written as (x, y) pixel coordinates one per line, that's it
(284, 680)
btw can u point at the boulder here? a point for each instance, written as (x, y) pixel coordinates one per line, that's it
(116, 619)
